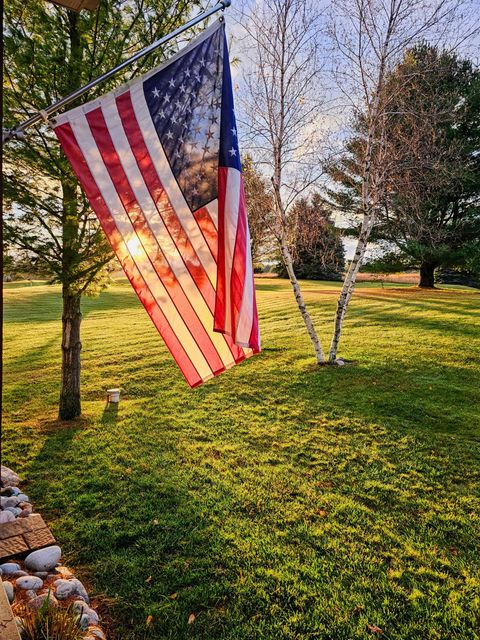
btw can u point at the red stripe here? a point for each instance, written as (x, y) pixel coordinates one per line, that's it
(102, 137)
(77, 160)
(166, 210)
(208, 229)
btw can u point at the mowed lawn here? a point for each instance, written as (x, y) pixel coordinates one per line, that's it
(278, 501)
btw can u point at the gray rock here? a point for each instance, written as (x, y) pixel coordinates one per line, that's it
(15, 510)
(20, 573)
(64, 589)
(41, 574)
(67, 588)
(37, 602)
(43, 559)
(9, 567)
(31, 594)
(97, 633)
(90, 614)
(25, 505)
(29, 582)
(21, 497)
(24, 513)
(9, 477)
(12, 501)
(8, 586)
(6, 516)
(7, 492)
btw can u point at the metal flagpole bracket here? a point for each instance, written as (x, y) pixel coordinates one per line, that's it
(19, 132)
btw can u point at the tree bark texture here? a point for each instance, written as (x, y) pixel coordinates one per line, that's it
(427, 277)
(287, 258)
(70, 406)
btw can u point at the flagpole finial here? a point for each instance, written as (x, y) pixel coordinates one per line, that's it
(226, 3)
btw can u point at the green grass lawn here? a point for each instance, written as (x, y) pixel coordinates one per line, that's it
(279, 500)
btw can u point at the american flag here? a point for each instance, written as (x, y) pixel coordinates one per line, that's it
(159, 161)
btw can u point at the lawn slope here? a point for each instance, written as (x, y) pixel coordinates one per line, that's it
(279, 501)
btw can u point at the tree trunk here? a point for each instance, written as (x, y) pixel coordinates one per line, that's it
(287, 258)
(69, 407)
(349, 284)
(427, 278)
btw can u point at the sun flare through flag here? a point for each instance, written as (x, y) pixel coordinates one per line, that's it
(159, 161)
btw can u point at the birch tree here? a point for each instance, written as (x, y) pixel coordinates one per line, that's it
(371, 37)
(281, 114)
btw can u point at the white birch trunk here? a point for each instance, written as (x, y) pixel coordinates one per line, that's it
(349, 285)
(287, 259)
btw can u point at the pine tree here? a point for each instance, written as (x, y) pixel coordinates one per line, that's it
(50, 51)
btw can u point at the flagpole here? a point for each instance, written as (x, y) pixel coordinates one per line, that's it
(18, 132)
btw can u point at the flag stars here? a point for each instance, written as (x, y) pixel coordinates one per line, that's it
(166, 98)
(156, 93)
(171, 82)
(234, 132)
(169, 135)
(232, 152)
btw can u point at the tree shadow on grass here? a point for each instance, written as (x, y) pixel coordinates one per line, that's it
(46, 306)
(124, 513)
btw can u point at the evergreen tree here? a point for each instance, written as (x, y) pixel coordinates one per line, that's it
(430, 208)
(50, 51)
(316, 244)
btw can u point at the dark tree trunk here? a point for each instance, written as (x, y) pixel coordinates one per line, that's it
(71, 346)
(427, 279)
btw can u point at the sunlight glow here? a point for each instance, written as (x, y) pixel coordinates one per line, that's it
(134, 247)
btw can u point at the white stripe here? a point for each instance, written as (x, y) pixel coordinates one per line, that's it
(170, 184)
(102, 178)
(212, 208)
(245, 316)
(232, 201)
(159, 230)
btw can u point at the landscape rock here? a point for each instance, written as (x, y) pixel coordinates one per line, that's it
(15, 510)
(11, 501)
(29, 582)
(89, 614)
(97, 633)
(6, 516)
(8, 586)
(21, 497)
(9, 477)
(41, 574)
(7, 492)
(37, 602)
(43, 559)
(24, 513)
(26, 506)
(8, 568)
(67, 588)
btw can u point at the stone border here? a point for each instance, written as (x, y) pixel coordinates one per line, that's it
(28, 582)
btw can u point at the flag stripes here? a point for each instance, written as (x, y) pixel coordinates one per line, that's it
(191, 270)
